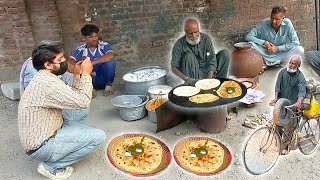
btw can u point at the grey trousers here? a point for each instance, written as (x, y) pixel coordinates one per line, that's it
(313, 58)
(190, 65)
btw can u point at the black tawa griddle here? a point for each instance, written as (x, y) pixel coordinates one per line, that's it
(184, 101)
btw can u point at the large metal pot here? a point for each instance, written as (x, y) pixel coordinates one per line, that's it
(131, 107)
(140, 86)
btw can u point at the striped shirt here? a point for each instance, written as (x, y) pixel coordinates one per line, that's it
(41, 104)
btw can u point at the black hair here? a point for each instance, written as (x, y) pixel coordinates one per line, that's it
(43, 54)
(88, 29)
(279, 9)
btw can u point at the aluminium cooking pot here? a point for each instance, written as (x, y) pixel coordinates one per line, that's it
(131, 107)
(138, 81)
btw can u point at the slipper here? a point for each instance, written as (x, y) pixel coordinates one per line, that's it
(249, 124)
(263, 69)
(94, 93)
(108, 90)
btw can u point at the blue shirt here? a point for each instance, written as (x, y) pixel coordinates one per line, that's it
(285, 38)
(83, 50)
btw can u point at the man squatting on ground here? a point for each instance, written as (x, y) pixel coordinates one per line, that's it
(47, 136)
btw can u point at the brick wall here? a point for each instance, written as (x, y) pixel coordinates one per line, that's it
(15, 37)
(145, 30)
(44, 20)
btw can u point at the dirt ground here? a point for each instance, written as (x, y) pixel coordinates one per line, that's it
(16, 165)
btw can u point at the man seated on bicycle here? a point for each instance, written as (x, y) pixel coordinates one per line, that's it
(291, 83)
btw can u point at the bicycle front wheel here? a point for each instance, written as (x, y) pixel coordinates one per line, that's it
(261, 150)
(309, 135)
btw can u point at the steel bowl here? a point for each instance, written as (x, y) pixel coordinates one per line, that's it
(159, 91)
(140, 88)
(131, 110)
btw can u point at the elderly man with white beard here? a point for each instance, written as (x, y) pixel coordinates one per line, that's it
(193, 55)
(291, 83)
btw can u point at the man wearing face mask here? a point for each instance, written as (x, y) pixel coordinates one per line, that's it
(291, 83)
(28, 71)
(275, 38)
(57, 142)
(193, 55)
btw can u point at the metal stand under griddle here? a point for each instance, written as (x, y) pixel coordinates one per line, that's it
(214, 120)
(211, 120)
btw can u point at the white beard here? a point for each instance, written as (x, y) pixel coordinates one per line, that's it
(290, 70)
(193, 42)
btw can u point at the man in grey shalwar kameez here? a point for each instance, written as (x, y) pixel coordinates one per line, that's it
(275, 38)
(291, 83)
(193, 55)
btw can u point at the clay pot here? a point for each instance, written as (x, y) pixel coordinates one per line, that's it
(246, 62)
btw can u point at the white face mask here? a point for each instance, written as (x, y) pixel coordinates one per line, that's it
(290, 70)
(193, 42)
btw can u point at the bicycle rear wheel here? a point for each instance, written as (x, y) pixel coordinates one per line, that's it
(309, 133)
(261, 150)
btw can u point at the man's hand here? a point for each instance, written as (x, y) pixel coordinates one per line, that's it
(267, 45)
(77, 68)
(189, 80)
(273, 49)
(298, 105)
(86, 66)
(71, 64)
(270, 48)
(211, 74)
(273, 102)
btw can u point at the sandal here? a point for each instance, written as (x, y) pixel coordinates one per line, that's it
(94, 93)
(263, 69)
(247, 123)
(108, 90)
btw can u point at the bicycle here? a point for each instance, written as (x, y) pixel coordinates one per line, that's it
(288, 130)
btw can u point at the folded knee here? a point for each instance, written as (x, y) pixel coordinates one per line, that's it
(299, 49)
(100, 136)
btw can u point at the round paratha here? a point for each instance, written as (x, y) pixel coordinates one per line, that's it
(203, 98)
(217, 158)
(207, 84)
(155, 157)
(186, 91)
(229, 89)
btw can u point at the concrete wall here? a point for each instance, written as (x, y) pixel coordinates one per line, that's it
(138, 30)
